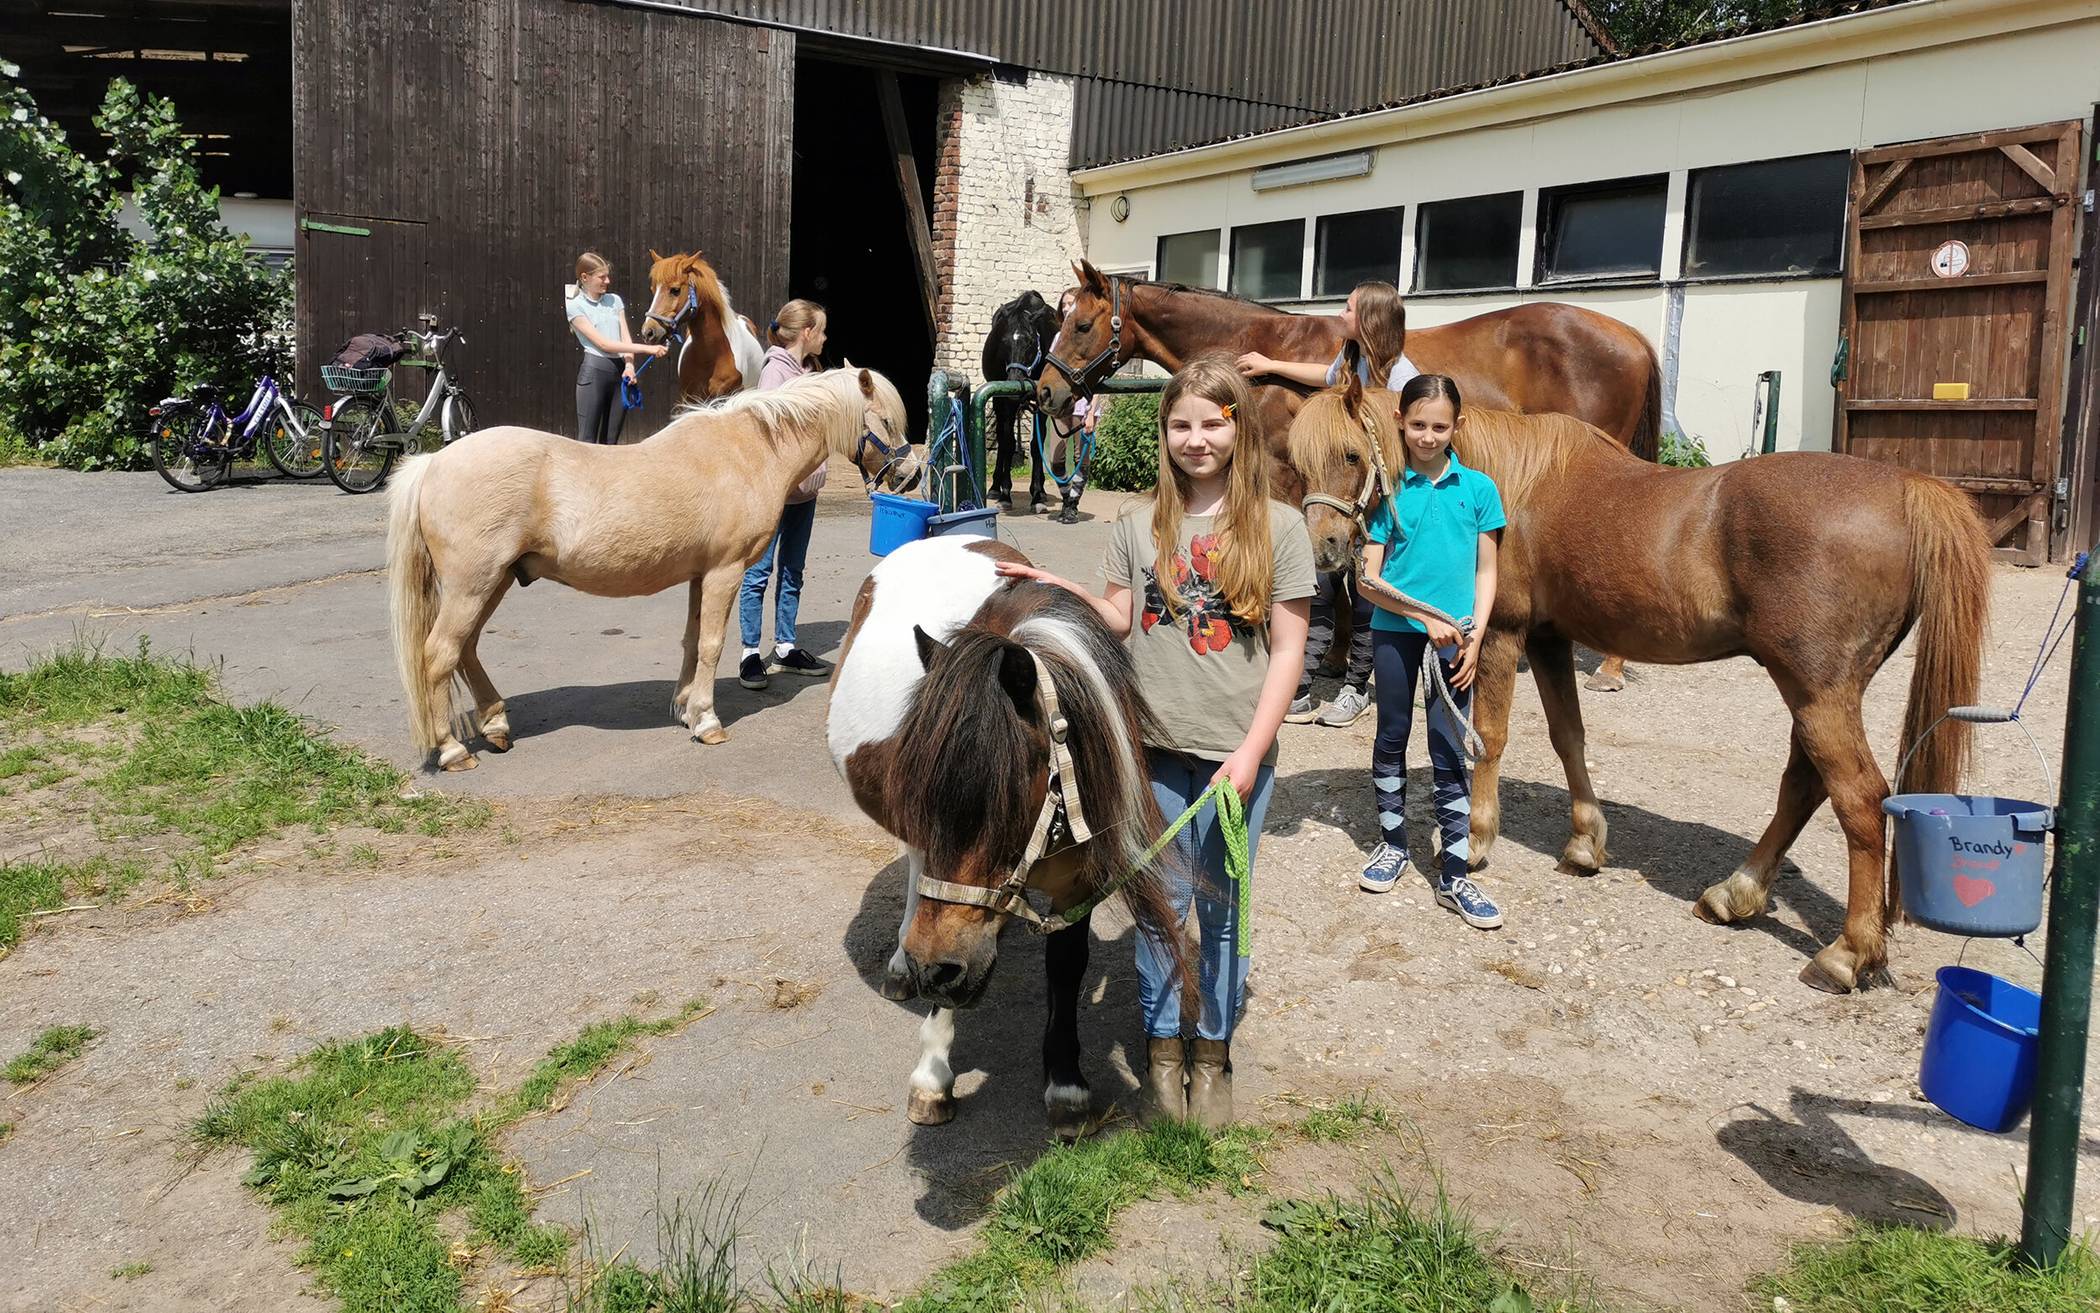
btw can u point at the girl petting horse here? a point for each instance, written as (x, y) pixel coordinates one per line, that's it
(1207, 583)
(1816, 566)
(692, 504)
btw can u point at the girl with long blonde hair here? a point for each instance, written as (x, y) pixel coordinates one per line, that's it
(1208, 582)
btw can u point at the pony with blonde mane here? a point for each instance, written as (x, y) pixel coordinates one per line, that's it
(695, 503)
(720, 353)
(1814, 565)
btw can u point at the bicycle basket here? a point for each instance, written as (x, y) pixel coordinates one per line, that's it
(341, 378)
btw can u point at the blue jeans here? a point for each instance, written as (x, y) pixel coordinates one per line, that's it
(789, 549)
(1195, 872)
(1397, 659)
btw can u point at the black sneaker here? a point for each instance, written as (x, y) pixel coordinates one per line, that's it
(751, 672)
(797, 662)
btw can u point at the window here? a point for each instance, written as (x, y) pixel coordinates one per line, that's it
(1190, 258)
(1472, 243)
(1774, 217)
(1609, 230)
(1356, 248)
(1268, 260)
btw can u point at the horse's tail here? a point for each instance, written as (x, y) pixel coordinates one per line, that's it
(1950, 596)
(412, 592)
(1646, 440)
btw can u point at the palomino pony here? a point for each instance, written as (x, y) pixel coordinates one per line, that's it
(994, 727)
(695, 503)
(1813, 565)
(1014, 350)
(719, 352)
(1536, 358)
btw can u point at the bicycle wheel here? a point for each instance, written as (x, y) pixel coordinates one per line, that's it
(185, 454)
(353, 456)
(459, 417)
(295, 451)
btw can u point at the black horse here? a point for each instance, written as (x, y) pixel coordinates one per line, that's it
(1015, 349)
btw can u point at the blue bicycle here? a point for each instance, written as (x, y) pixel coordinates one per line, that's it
(195, 442)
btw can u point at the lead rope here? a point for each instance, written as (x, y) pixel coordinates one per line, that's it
(1239, 865)
(1434, 686)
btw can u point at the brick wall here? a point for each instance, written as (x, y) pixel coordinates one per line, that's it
(1003, 213)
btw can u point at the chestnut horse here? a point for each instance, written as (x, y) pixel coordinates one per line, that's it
(720, 352)
(1536, 358)
(694, 503)
(994, 727)
(1813, 565)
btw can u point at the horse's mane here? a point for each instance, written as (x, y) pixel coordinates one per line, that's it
(964, 751)
(1516, 451)
(1214, 293)
(827, 400)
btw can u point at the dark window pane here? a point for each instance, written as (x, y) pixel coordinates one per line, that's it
(1356, 248)
(1268, 260)
(1603, 232)
(1774, 217)
(1190, 258)
(1468, 243)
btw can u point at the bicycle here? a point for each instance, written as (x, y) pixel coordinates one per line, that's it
(195, 442)
(359, 441)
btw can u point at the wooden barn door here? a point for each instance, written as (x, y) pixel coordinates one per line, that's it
(1959, 272)
(376, 272)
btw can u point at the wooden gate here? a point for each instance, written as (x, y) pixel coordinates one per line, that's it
(1958, 278)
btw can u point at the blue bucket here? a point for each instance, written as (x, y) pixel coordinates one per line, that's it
(1970, 865)
(1980, 1048)
(965, 524)
(898, 520)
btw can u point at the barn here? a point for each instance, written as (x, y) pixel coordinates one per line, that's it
(1859, 230)
(906, 162)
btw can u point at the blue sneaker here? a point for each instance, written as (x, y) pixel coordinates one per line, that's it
(1383, 871)
(1474, 908)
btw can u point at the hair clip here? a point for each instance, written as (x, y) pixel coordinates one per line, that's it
(1228, 408)
(774, 326)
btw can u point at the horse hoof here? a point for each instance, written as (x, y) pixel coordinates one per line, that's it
(497, 742)
(465, 761)
(1070, 1109)
(711, 735)
(1603, 683)
(926, 1108)
(1720, 905)
(1581, 858)
(1833, 977)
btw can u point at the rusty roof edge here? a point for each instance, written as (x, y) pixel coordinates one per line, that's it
(1590, 24)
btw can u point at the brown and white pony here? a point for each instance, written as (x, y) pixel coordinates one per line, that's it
(720, 351)
(695, 503)
(940, 726)
(1814, 565)
(1542, 357)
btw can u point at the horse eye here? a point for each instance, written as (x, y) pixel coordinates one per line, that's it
(1352, 458)
(1084, 326)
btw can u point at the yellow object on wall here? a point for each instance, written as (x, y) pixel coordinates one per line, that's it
(1950, 392)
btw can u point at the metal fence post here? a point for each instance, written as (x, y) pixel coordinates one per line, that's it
(2067, 976)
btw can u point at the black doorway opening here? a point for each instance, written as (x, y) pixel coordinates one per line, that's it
(849, 249)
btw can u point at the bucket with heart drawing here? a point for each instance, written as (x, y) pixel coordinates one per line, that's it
(1971, 864)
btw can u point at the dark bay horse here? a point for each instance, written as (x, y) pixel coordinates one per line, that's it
(1814, 565)
(720, 352)
(1536, 358)
(985, 723)
(1014, 350)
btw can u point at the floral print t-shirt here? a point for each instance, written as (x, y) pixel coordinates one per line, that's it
(1201, 666)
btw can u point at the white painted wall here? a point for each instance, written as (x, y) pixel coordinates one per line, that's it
(1945, 80)
(266, 224)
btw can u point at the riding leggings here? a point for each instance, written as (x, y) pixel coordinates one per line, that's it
(599, 413)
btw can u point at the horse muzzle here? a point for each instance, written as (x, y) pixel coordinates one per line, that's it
(944, 982)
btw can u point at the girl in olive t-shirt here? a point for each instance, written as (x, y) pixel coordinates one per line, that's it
(1208, 582)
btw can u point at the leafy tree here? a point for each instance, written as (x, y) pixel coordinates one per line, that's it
(1638, 24)
(95, 323)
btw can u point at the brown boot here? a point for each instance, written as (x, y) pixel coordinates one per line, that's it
(1164, 1078)
(1210, 1085)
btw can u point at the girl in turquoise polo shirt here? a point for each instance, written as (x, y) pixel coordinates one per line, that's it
(1435, 542)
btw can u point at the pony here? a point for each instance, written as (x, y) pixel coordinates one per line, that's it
(1014, 349)
(1535, 358)
(719, 352)
(694, 503)
(995, 728)
(1814, 565)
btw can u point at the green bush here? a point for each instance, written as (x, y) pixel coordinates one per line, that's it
(1681, 451)
(95, 324)
(1126, 444)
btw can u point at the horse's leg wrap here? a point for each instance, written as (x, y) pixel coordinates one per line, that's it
(932, 1100)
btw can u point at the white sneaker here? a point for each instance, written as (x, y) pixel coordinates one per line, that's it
(1382, 872)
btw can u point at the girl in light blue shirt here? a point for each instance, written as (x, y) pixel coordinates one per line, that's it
(599, 319)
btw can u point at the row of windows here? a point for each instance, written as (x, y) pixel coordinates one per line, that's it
(1774, 217)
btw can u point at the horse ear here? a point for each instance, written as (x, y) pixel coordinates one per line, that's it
(929, 647)
(1017, 676)
(1091, 278)
(867, 384)
(653, 256)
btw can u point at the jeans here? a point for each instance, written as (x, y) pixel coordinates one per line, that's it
(1319, 636)
(1397, 658)
(599, 413)
(789, 550)
(1195, 872)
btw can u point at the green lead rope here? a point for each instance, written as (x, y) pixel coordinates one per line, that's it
(1232, 819)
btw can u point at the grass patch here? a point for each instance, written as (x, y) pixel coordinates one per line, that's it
(1345, 1119)
(39, 886)
(51, 1050)
(17, 761)
(7, 1131)
(1892, 1269)
(369, 1143)
(130, 1271)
